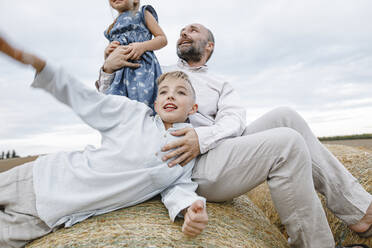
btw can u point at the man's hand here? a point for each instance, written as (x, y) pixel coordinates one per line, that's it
(186, 148)
(118, 59)
(136, 50)
(196, 219)
(111, 47)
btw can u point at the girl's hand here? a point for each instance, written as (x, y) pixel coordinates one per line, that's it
(136, 50)
(21, 56)
(196, 219)
(111, 47)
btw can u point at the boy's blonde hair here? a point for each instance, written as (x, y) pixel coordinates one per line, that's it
(177, 75)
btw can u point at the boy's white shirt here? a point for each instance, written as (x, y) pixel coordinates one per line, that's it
(126, 170)
(220, 114)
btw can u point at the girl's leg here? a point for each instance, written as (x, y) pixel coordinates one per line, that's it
(345, 196)
(19, 221)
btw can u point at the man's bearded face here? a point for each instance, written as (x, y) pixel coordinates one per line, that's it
(190, 49)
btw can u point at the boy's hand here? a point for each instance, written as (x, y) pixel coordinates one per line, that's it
(21, 56)
(111, 47)
(196, 219)
(136, 50)
(6, 48)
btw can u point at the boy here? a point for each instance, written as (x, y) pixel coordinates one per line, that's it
(68, 187)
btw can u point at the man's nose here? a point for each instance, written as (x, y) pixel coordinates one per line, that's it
(183, 33)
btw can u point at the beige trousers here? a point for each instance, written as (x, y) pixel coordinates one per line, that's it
(19, 221)
(281, 149)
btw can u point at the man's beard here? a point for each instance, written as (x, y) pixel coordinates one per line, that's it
(193, 53)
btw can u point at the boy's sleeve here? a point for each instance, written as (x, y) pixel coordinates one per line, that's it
(230, 120)
(181, 194)
(99, 111)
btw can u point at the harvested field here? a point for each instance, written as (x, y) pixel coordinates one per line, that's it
(360, 143)
(10, 163)
(238, 223)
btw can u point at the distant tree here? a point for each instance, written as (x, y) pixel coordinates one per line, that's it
(8, 155)
(2, 155)
(14, 154)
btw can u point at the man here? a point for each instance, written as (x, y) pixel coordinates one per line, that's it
(279, 147)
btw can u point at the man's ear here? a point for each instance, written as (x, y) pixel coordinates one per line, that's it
(193, 109)
(209, 47)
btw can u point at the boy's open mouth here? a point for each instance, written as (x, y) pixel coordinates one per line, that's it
(169, 107)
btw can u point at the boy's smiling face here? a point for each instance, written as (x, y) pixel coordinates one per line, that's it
(174, 101)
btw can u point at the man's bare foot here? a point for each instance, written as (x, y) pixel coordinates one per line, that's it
(365, 223)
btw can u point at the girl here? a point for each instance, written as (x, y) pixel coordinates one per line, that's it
(134, 28)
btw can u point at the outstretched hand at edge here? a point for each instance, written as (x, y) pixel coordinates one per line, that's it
(21, 56)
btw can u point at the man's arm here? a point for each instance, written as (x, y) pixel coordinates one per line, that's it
(230, 120)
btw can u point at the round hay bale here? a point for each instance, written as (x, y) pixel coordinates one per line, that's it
(358, 162)
(238, 223)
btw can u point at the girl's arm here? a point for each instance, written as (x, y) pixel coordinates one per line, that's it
(159, 41)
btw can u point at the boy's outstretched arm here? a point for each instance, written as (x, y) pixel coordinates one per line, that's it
(196, 219)
(21, 56)
(100, 112)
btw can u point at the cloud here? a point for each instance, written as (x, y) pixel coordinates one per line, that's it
(61, 138)
(314, 56)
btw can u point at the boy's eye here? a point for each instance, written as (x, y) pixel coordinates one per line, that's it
(162, 92)
(182, 92)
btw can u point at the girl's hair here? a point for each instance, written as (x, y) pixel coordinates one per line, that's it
(135, 9)
(111, 26)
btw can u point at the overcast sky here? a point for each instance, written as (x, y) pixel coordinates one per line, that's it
(314, 56)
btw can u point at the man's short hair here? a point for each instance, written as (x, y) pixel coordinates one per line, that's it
(177, 75)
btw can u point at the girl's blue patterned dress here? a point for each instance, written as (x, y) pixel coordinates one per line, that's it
(137, 83)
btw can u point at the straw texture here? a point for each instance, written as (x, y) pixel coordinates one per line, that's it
(359, 162)
(238, 223)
